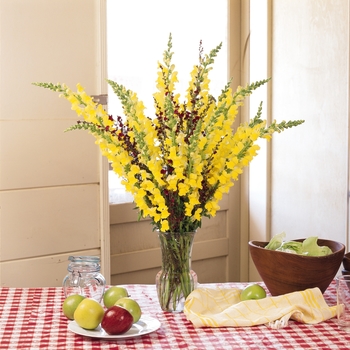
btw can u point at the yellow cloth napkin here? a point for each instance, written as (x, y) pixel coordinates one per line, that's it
(206, 307)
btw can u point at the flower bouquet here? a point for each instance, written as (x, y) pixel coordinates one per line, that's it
(179, 162)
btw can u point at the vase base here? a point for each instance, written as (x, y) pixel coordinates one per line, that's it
(168, 304)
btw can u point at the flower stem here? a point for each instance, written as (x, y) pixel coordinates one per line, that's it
(176, 280)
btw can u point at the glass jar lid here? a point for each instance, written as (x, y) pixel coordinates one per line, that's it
(86, 258)
(84, 264)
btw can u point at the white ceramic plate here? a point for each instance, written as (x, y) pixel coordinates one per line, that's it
(145, 325)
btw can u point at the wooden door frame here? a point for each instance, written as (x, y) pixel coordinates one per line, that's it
(104, 189)
(248, 220)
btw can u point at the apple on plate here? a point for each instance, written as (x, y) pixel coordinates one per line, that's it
(113, 294)
(253, 291)
(70, 304)
(117, 320)
(132, 306)
(88, 314)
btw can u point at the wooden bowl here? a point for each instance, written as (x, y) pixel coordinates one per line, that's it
(285, 272)
(346, 261)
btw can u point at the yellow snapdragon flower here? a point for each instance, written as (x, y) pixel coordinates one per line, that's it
(179, 162)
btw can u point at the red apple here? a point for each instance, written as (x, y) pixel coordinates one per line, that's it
(117, 320)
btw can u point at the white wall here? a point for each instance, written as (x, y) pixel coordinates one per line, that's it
(310, 58)
(299, 183)
(49, 180)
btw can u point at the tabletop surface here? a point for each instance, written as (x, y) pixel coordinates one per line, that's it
(31, 318)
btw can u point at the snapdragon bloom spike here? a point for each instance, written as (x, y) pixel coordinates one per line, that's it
(179, 162)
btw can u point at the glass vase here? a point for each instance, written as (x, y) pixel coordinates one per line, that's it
(175, 281)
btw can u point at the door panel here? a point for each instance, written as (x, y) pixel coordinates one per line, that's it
(51, 185)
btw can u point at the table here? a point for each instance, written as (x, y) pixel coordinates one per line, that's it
(31, 318)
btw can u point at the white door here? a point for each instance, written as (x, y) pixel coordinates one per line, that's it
(53, 198)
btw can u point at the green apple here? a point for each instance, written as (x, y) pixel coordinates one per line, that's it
(113, 294)
(88, 314)
(253, 291)
(70, 304)
(132, 306)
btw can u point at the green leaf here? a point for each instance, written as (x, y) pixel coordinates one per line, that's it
(276, 241)
(291, 247)
(311, 248)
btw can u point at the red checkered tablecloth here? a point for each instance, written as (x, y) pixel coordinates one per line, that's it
(31, 318)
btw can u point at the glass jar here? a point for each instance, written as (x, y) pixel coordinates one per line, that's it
(84, 277)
